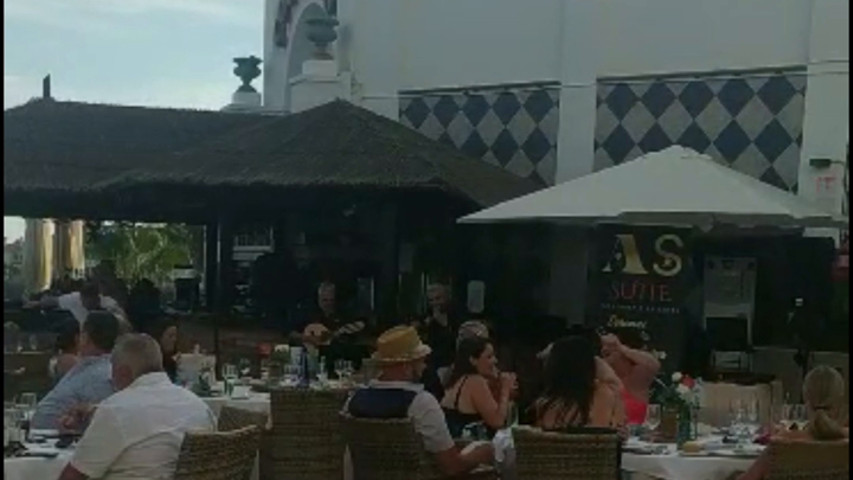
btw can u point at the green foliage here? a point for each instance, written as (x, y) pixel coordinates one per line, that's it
(140, 250)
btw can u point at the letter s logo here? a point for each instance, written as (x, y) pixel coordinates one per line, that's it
(672, 262)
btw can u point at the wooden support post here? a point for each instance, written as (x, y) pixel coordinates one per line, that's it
(389, 246)
(211, 257)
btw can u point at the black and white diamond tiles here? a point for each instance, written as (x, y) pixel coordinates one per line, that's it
(752, 121)
(516, 130)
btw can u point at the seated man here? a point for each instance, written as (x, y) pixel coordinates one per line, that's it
(137, 433)
(88, 382)
(401, 357)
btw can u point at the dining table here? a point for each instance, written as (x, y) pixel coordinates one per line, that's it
(30, 468)
(714, 461)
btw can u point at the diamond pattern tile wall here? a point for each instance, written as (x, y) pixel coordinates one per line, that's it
(751, 121)
(515, 129)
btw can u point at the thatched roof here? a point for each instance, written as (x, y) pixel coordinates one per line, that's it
(64, 150)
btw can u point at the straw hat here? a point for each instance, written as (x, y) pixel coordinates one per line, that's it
(400, 345)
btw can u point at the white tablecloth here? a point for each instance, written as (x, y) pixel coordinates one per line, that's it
(35, 468)
(256, 402)
(672, 466)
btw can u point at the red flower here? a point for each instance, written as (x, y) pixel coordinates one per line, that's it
(687, 381)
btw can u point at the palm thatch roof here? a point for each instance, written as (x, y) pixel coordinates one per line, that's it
(146, 158)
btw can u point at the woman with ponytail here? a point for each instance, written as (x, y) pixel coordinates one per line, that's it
(823, 393)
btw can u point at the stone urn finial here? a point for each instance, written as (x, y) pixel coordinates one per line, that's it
(321, 31)
(247, 69)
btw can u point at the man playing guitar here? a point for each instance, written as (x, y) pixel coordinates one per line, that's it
(327, 332)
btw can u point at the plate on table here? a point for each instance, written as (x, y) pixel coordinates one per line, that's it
(700, 453)
(751, 451)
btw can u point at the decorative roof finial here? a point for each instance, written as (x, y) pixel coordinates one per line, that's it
(247, 69)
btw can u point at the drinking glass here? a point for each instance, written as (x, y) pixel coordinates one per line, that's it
(27, 403)
(800, 417)
(787, 416)
(230, 371)
(291, 374)
(245, 367)
(653, 417)
(340, 368)
(33, 343)
(230, 375)
(751, 416)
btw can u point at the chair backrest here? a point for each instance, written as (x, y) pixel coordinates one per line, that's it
(560, 456)
(233, 418)
(389, 449)
(306, 440)
(802, 460)
(218, 455)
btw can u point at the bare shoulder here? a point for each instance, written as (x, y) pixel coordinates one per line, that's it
(604, 393)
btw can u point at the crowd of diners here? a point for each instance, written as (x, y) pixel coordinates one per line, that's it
(441, 372)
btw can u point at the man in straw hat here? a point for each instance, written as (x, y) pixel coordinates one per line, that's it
(401, 358)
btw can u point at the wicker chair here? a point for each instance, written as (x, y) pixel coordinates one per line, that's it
(233, 418)
(560, 456)
(305, 441)
(809, 460)
(218, 455)
(392, 450)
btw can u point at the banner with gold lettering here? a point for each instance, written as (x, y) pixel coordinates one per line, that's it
(640, 280)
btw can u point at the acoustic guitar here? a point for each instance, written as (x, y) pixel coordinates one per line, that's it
(322, 336)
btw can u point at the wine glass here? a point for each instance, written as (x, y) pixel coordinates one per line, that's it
(800, 417)
(348, 369)
(653, 418)
(751, 415)
(787, 416)
(33, 343)
(27, 402)
(736, 417)
(230, 375)
(340, 368)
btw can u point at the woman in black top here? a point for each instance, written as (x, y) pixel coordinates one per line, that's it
(468, 398)
(165, 331)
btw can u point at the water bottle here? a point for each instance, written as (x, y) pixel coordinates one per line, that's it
(305, 375)
(322, 375)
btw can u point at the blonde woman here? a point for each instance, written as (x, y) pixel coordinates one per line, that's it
(823, 392)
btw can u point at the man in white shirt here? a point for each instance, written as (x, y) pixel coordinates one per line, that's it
(401, 356)
(137, 432)
(80, 303)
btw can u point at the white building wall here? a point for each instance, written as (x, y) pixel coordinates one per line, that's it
(583, 47)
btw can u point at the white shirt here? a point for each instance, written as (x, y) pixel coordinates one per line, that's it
(137, 432)
(426, 415)
(73, 303)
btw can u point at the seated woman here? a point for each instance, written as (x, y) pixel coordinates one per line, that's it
(573, 396)
(165, 331)
(468, 398)
(636, 369)
(823, 393)
(65, 349)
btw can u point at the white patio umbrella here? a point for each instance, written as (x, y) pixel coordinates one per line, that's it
(676, 186)
(38, 253)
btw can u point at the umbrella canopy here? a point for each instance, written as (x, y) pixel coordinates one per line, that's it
(38, 250)
(676, 186)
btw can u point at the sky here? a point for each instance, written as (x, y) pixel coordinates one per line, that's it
(175, 53)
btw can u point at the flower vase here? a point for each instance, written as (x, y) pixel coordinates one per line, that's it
(668, 429)
(275, 372)
(684, 426)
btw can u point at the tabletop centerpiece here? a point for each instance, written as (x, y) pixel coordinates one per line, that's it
(679, 402)
(278, 359)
